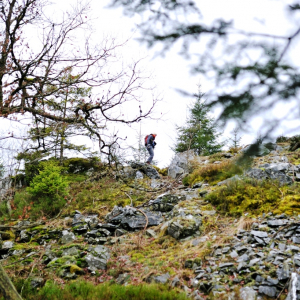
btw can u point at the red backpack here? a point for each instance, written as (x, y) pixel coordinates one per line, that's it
(146, 138)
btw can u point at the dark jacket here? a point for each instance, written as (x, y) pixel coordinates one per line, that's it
(150, 140)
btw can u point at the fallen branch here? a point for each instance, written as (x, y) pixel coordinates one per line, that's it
(284, 227)
(5, 227)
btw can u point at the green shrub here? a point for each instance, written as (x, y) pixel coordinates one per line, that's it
(282, 139)
(49, 188)
(82, 290)
(78, 165)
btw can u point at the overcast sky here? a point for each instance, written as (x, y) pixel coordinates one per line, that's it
(171, 71)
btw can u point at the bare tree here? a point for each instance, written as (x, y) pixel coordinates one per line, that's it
(27, 70)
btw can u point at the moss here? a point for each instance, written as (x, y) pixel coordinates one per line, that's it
(76, 269)
(62, 261)
(254, 197)
(71, 246)
(7, 235)
(213, 173)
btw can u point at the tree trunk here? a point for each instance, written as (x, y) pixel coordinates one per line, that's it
(8, 289)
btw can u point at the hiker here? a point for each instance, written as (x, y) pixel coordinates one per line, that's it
(150, 144)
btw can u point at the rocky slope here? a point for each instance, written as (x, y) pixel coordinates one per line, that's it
(174, 234)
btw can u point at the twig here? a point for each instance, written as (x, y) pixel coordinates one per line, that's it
(286, 226)
(15, 262)
(31, 271)
(283, 289)
(141, 235)
(131, 203)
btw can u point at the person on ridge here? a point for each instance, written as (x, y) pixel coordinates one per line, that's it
(150, 144)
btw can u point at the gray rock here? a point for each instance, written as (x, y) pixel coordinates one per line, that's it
(175, 282)
(202, 239)
(36, 282)
(244, 257)
(166, 202)
(175, 171)
(95, 263)
(139, 175)
(279, 167)
(101, 252)
(260, 234)
(24, 237)
(282, 178)
(254, 261)
(73, 251)
(281, 246)
(68, 237)
(225, 265)
(130, 219)
(78, 219)
(120, 232)
(284, 272)
(234, 254)
(229, 180)
(247, 293)
(7, 245)
(162, 279)
(150, 233)
(257, 174)
(181, 227)
(145, 169)
(277, 223)
(180, 164)
(268, 291)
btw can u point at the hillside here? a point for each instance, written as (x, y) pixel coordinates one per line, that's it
(215, 227)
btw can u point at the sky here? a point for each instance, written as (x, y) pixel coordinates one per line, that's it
(171, 71)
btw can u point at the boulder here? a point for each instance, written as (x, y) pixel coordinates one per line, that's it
(180, 164)
(181, 227)
(129, 218)
(67, 237)
(145, 169)
(166, 202)
(95, 263)
(247, 293)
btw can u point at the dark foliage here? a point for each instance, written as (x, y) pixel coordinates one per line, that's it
(200, 133)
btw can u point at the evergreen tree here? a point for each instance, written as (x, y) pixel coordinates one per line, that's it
(53, 137)
(200, 133)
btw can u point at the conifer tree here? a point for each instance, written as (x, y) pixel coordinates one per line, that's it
(200, 132)
(53, 137)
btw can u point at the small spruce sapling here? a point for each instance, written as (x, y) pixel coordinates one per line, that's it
(49, 188)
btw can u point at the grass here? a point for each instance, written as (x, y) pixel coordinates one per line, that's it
(213, 173)
(256, 197)
(81, 290)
